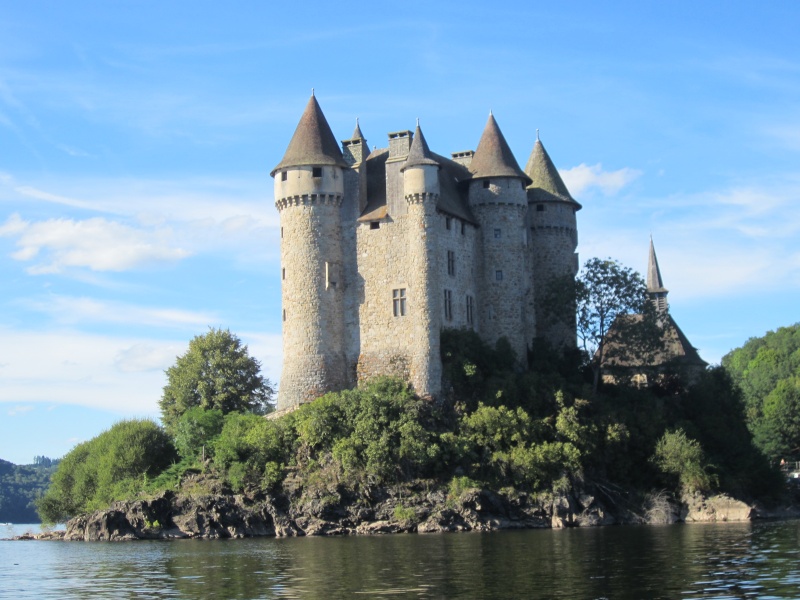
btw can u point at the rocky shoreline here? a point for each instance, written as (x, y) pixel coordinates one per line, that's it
(411, 508)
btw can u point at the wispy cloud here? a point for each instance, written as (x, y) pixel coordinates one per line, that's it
(121, 374)
(71, 310)
(98, 244)
(19, 410)
(584, 177)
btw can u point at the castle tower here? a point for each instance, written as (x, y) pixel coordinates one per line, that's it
(309, 188)
(553, 241)
(655, 286)
(421, 192)
(497, 198)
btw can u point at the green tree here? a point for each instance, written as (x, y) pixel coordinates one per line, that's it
(109, 467)
(767, 369)
(681, 456)
(216, 373)
(607, 295)
(195, 431)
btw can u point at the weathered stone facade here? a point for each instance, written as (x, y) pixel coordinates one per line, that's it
(380, 251)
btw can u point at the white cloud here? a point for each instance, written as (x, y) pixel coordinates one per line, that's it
(96, 243)
(19, 410)
(584, 177)
(72, 310)
(119, 374)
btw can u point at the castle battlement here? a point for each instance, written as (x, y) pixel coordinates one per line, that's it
(382, 250)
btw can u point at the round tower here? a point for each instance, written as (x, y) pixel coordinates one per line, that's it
(309, 188)
(497, 199)
(553, 241)
(421, 192)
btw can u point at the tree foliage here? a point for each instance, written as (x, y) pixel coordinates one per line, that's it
(215, 373)
(605, 297)
(108, 467)
(20, 486)
(767, 369)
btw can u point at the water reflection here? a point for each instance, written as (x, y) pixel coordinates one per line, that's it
(695, 561)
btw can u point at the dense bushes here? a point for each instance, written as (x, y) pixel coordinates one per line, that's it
(494, 427)
(113, 465)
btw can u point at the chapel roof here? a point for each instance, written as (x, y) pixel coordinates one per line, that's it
(494, 158)
(313, 142)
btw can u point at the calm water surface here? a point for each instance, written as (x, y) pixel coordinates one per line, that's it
(760, 560)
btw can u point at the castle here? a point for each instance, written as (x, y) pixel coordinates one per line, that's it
(382, 250)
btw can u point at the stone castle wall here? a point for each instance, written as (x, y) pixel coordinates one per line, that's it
(500, 209)
(554, 238)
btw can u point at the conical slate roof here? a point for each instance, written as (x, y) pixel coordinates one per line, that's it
(357, 135)
(546, 181)
(493, 158)
(654, 281)
(312, 143)
(419, 153)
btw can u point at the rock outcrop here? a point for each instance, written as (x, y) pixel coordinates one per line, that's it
(420, 507)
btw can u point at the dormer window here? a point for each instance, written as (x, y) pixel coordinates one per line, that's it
(284, 176)
(374, 225)
(316, 172)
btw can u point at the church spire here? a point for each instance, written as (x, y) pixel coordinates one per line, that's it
(655, 285)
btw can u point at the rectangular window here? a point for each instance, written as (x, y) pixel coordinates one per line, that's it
(498, 275)
(283, 273)
(399, 302)
(497, 234)
(451, 262)
(470, 310)
(284, 176)
(332, 275)
(284, 314)
(448, 222)
(374, 225)
(486, 183)
(448, 305)
(540, 208)
(463, 227)
(316, 171)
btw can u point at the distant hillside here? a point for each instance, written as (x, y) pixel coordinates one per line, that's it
(20, 485)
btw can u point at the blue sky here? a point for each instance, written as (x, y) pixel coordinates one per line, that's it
(136, 140)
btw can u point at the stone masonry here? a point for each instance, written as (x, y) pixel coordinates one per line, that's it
(382, 250)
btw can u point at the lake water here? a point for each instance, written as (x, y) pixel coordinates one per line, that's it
(758, 560)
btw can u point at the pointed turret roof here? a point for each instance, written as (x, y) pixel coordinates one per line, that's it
(546, 181)
(313, 142)
(357, 135)
(494, 158)
(654, 281)
(419, 153)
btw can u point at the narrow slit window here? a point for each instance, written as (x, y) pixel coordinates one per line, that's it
(448, 223)
(451, 262)
(498, 275)
(283, 273)
(399, 302)
(463, 227)
(470, 310)
(448, 305)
